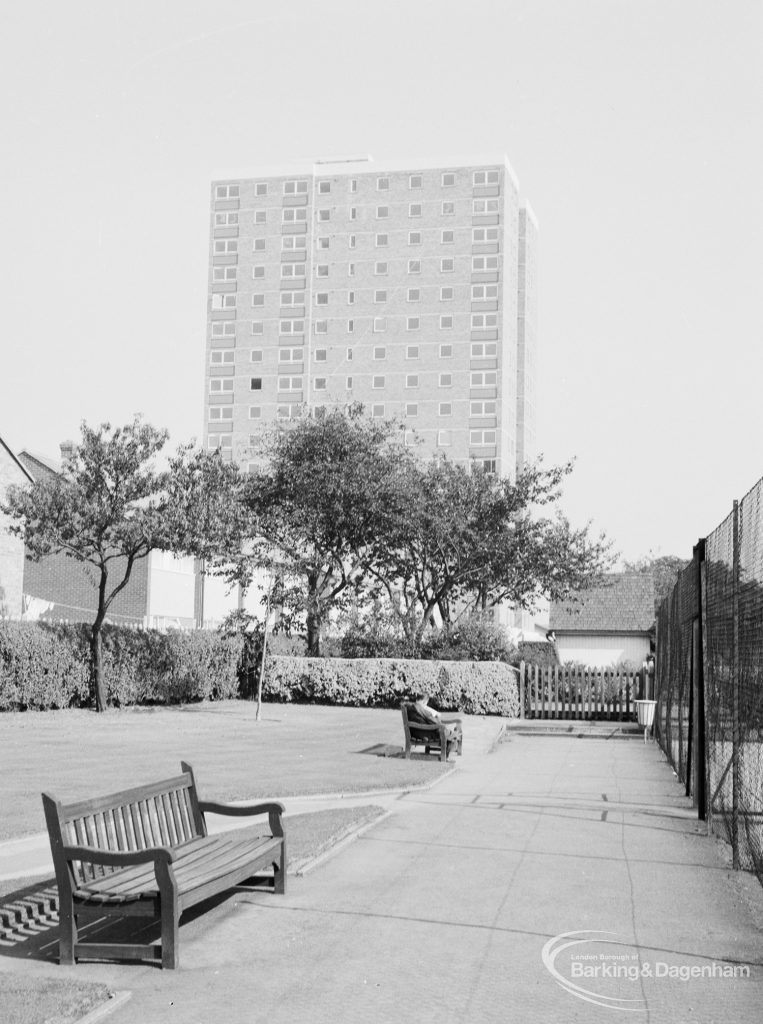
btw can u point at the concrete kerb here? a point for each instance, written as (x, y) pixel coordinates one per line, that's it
(98, 1013)
(566, 728)
(336, 845)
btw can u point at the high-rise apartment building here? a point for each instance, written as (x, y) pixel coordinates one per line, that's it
(407, 286)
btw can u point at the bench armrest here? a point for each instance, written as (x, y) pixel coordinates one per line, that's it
(274, 810)
(117, 859)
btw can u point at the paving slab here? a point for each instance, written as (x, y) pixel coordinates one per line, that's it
(560, 878)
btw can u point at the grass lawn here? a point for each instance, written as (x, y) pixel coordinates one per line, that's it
(294, 749)
(29, 1000)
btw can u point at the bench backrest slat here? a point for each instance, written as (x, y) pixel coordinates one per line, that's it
(128, 796)
(160, 814)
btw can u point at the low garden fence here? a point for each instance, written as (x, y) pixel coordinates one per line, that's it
(581, 694)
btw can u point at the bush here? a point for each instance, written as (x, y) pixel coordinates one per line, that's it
(48, 666)
(471, 687)
(41, 666)
(536, 652)
(368, 642)
(470, 640)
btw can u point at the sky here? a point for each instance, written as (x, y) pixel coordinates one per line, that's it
(635, 128)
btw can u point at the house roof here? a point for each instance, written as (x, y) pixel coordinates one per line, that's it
(623, 604)
(15, 459)
(39, 466)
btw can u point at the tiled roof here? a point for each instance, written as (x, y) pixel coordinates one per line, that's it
(39, 466)
(623, 604)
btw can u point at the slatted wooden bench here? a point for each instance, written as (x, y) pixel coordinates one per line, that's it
(440, 737)
(146, 853)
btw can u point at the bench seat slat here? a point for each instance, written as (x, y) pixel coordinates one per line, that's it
(199, 862)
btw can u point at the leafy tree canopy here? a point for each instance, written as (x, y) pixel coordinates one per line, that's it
(472, 538)
(110, 507)
(324, 492)
(664, 568)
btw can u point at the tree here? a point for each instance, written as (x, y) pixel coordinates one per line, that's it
(664, 568)
(110, 507)
(321, 499)
(470, 538)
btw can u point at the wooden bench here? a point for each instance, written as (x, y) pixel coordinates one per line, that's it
(441, 736)
(146, 853)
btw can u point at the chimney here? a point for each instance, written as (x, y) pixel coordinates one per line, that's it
(67, 450)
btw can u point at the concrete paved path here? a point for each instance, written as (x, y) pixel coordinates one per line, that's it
(458, 908)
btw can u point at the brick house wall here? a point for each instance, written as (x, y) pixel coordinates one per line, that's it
(67, 589)
(11, 548)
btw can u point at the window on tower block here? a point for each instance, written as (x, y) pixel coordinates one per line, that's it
(486, 177)
(294, 188)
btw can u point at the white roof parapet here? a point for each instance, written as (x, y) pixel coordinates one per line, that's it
(364, 164)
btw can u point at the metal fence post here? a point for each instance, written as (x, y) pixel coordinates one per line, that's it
(699, 655)
(735, 730)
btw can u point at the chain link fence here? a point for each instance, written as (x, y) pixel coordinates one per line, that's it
(709, 679)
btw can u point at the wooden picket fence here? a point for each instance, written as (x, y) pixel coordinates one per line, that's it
(582, 694)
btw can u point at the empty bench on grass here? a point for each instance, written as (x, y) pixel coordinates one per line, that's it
(145, 852)
(442, 735)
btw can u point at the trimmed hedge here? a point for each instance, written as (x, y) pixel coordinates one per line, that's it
(41, 667)
(475, 688)
(45, 666)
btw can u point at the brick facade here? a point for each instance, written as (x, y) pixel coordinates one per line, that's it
(63, 588)
(11, 548)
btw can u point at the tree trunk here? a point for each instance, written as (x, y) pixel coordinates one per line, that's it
(96, 668)
(313, 617)
(313, 636)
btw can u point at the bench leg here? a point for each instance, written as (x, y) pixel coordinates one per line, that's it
(170, 946)
(279, 871)
(67, 933)
(168, 902)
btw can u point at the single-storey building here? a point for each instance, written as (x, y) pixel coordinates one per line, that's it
(609, 625)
